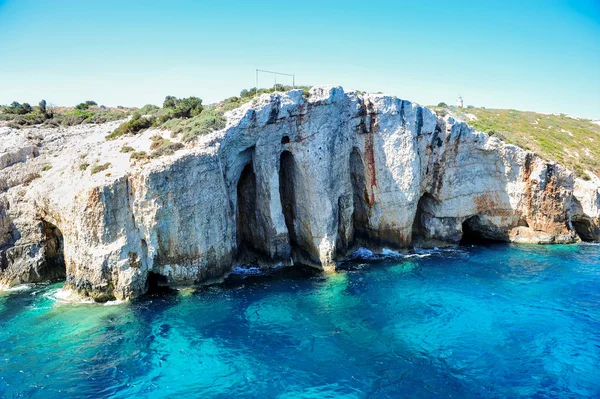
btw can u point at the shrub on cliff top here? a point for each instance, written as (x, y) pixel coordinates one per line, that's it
(135, 125)
(181, 107)
(138, 155)
(85, 105)
(99, 168)
(208, 121)
(162, 146)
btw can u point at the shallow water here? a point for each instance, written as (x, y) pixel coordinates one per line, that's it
(500, 321)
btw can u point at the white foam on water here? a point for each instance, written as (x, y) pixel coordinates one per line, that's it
(114, 303)
(391, 254)
(17, 288)
(362, 253)
(67, 296)
(417, 255)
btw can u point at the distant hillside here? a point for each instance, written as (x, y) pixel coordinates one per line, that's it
(573, 142)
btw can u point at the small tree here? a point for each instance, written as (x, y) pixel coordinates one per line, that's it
(14, 108)
(26, 108)
(170, 102)
(90, 102)
(442, 104)
(42, 106)
(191, 106)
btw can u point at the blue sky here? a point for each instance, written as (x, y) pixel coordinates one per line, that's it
(527, 54)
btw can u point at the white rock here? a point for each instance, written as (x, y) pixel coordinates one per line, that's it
(328, 174)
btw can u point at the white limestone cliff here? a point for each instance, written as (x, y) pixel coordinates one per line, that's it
(289, 180)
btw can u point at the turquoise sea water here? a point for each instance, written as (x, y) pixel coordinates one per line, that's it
(479, 322)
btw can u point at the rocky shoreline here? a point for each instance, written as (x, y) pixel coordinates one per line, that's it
(289, 180)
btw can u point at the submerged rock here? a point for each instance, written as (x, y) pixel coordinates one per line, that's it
(289, 180)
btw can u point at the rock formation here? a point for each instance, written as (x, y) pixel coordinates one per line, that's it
(289, 180)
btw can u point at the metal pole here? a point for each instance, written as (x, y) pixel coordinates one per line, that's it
(256, 87)
(294, 81)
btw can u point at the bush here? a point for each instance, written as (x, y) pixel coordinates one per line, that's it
(99, 168)
(32, 118)
(16, 108)
(208, 121)
(181, 107)
(42, 106)
(442, 104)
(75, 117)
(135, 125)
(148, 109)
(127, 148)
(162, 146)
(46, 168)
(137, 155)
(170, 102)
(84, 166)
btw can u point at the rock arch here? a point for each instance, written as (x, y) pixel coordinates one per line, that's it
(475, 230)
(360, 197)
(248, 230)
(287, 195)
(54, 266)
(585, 228)
(423, 215)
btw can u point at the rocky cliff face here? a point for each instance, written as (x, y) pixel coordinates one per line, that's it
(290, 180)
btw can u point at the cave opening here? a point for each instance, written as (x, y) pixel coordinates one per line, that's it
(287, 195)
(158, 284)
(474, 233)
(248, 229)
(584, 228)
(424, 210)
(360, 196)
(55, 268)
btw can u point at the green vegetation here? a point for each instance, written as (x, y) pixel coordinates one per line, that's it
(83, 166)
(18, 115)
(572, 142)
(136, 124)
(85, 105)
(161, 146)
(46, 168)
(138, 155)
(208, 121)
(127, 148)
(99, 168)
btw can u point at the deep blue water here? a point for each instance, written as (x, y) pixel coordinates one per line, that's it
(499, 321)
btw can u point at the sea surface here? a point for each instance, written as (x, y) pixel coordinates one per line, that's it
(500, 321)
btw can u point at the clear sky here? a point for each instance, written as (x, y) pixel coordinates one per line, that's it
(524, 54)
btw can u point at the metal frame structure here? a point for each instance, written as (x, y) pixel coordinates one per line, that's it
(276, 73)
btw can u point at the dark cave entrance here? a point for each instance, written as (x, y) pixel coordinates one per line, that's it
(360, 196)
(287, 195)
(248, 230)
(584, 228)
(157, 284)
(55, 268)
(424, 209)
(475, 233)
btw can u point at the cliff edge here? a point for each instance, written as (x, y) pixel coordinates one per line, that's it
(289, 180)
